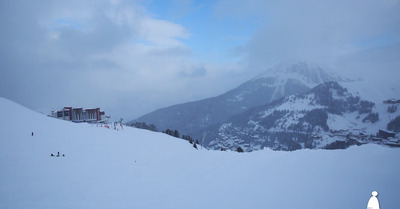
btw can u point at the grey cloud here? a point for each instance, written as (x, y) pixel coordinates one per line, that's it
(104, 64)
(373, 63)
(171, 51)
(102, 38)
(194, 72)
(95, 53)
(312, 29)
(74, 53)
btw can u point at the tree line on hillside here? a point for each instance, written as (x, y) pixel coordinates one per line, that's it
(174, 133)
(394, 125)
(372, 117)
(143, 125)
(392, 109)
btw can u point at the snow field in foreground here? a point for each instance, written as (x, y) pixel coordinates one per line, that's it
(134, 168)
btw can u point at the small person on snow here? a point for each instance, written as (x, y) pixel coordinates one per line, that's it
(63, 155)
(32, 133)
(52, 155)
(58, 154)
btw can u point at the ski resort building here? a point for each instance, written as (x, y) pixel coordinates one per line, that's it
(386, 134)
(79, 114)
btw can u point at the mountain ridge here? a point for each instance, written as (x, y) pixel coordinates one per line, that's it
(276, 82)
(296, 116)
(306, 120)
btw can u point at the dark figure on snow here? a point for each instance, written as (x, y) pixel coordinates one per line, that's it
(58, 154)
(52, 155)
(32, 133)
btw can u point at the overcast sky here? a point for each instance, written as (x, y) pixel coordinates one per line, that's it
(132, 57)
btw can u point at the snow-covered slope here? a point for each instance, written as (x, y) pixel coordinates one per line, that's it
(132, 168)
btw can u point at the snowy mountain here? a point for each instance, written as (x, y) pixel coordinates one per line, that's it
(279, 81)
(134, 168)
(327, 116)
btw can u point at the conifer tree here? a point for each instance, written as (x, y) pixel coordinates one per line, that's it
(239, 149)
(176, 133)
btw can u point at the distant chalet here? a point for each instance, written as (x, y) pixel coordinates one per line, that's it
(386, 134)
(80, 114)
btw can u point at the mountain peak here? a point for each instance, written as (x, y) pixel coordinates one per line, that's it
(310, 74)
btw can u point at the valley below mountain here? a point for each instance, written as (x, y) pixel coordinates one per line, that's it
(327, 116)
(291, 106)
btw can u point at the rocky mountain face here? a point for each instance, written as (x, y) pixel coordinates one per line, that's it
(277, 82)
(305, 120)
